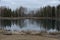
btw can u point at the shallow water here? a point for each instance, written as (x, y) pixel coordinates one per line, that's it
(30, 24)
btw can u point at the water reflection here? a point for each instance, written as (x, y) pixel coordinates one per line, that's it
(49, 24)
(30, 24)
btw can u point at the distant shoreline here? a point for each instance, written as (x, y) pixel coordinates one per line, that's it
(53, 18)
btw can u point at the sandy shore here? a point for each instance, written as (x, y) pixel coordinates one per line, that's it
(21, 36)
(25, 37)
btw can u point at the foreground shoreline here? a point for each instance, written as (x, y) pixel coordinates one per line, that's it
(25, 37)
(28, 35)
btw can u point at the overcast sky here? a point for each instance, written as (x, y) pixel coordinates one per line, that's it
(13, 4)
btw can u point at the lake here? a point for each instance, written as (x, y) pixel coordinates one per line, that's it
(30, 24)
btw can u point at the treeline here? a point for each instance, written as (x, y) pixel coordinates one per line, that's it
(7, 12)
(47, 11)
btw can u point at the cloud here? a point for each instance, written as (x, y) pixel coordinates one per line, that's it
(13, 4)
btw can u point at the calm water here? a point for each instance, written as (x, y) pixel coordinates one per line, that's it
(30, 24)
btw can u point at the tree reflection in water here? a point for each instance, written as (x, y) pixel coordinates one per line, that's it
(23, 23)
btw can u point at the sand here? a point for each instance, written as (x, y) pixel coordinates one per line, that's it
(25, 37)
(28, 36)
